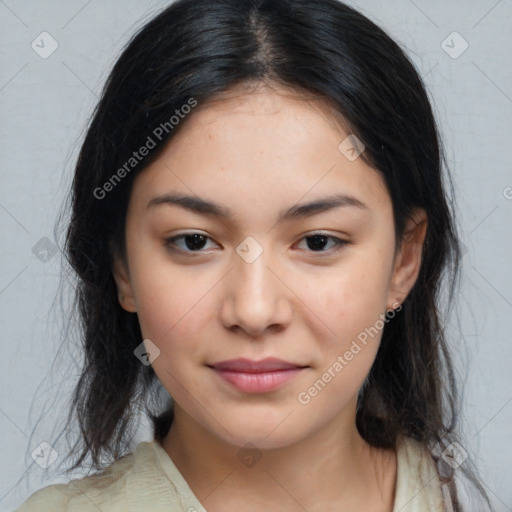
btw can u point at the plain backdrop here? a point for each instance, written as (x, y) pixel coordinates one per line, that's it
(462, 49)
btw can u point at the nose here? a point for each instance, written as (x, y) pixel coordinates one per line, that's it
(255, 300)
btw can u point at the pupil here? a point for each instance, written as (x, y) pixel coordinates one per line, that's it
(315, 244)
(197, 241)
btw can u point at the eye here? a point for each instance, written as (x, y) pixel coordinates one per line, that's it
(193, 242)
(316, 242)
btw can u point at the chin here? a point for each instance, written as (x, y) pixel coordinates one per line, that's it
(261, 431)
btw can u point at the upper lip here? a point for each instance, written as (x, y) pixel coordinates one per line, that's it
(268, 364)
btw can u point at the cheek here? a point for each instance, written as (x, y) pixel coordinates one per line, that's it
(169, 311)
(353, 296)
(355, 313)
(163, 293)
(353, 304)
(172, 315)
(173, 307)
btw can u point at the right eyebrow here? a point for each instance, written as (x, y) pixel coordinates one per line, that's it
(191, 203)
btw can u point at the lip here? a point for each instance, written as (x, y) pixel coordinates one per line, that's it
(268, 364)
(256, 376)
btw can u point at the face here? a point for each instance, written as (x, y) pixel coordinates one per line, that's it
(260, 277)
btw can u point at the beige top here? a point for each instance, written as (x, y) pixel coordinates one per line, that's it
(147, 480)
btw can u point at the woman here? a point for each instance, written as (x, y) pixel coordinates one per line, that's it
(260, 226)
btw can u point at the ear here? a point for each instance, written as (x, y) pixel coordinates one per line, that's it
(408, 258)
(123, 283)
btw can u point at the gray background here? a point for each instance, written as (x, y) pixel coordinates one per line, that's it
(44, 106)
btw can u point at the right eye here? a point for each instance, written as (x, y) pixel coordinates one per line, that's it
(192, 242)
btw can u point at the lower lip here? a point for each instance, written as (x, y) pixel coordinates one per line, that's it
(258, 382)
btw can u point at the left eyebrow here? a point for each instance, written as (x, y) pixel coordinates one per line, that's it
(321, 205)
(211, 208)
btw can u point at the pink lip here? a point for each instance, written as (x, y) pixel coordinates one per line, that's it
(256, 376)
(268, 364)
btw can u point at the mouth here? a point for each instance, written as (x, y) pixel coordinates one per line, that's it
(257, 376)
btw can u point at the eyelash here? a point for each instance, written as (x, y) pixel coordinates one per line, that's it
(170, 243)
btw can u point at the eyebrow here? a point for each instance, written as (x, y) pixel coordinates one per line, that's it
(211, 208)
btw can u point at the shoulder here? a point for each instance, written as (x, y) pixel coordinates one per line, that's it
(418, 487)
(133, 482)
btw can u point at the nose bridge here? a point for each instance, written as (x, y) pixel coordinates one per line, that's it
(255, 297)
(251, 279)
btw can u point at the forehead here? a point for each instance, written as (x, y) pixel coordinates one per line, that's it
(267, 107)
(261, 148)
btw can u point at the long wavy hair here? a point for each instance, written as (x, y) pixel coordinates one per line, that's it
(199, 49)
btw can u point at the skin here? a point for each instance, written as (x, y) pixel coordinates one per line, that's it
(257, 153)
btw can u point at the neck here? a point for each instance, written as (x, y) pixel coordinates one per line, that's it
(334, 466)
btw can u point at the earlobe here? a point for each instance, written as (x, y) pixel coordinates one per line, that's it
(124, 287)
(408, 260)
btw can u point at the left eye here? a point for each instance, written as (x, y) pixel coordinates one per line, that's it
(194, 242)
(318, 241)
